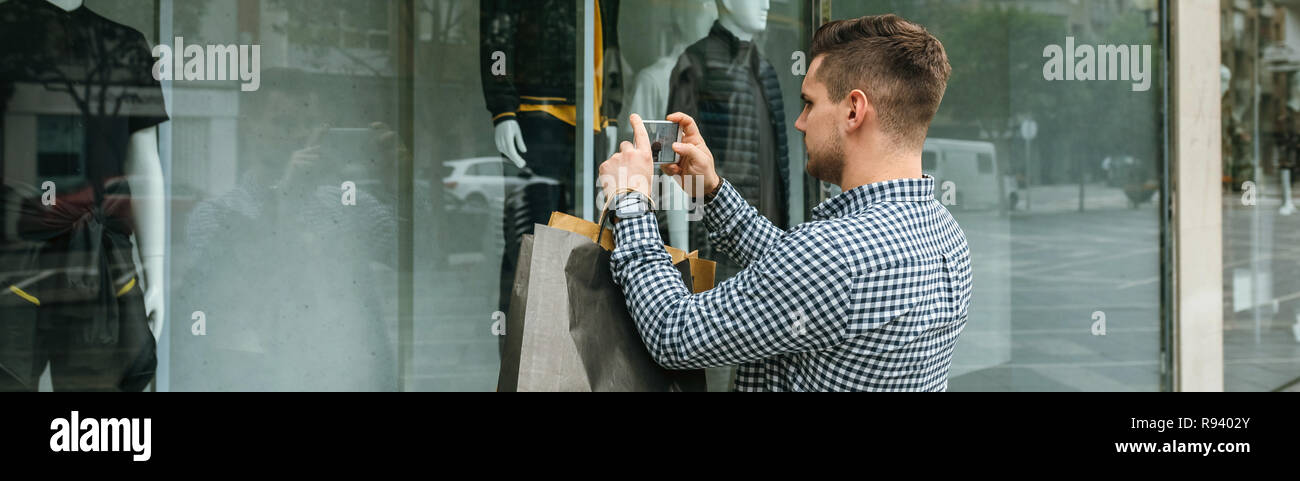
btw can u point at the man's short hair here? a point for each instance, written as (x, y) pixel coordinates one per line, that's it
(901, 67)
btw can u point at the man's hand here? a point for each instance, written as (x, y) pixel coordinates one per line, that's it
(695, 172)
(631, 168)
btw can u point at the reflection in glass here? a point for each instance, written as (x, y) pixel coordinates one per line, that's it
(1056, 184)
(1260, 72)
(285, 205)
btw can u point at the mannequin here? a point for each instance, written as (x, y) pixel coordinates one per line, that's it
(690, 22)
(735, 95)
(144, 172)
(507, 133)
(83, 204)
(744, 18)
(527, 69)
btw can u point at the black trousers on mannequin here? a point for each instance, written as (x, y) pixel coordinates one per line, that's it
(36, 335)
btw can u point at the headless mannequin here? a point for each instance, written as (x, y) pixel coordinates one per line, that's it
(717, 79)
(144, 174)
(509, 139)
(745, 19)
(688, 26)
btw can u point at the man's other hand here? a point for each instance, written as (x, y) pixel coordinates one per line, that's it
(695, 171)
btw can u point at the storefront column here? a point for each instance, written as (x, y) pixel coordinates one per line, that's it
(1197, 211)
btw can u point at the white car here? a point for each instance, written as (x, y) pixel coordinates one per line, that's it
(973, 168)
(486, 181)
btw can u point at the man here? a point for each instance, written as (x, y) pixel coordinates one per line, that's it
(872, 293)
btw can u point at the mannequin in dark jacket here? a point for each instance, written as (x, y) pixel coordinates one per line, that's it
(528, 59)
(735, 95)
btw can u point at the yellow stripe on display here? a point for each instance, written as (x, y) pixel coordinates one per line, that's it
(127, 288)
(30, 298)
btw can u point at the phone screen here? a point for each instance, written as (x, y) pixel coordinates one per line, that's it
(662, 134)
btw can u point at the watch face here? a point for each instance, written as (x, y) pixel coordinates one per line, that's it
(630, 205)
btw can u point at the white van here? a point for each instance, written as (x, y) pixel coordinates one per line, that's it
(973, 169)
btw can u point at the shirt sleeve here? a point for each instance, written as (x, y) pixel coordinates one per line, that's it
(736, 228)
(497, 24)
(146, 107)
(793, 299)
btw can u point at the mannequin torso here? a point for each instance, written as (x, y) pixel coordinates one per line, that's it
(143, 170)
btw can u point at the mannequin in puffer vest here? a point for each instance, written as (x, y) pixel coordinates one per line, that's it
(735, 95)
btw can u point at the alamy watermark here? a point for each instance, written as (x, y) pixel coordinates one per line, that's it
(179, 61)
(1130, 63)
(92, 435)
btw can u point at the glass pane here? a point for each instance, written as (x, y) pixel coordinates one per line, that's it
(1059, 202)
(1261, 98)
(487, 73)
(284, 203)
(345, 215)
(737, 82)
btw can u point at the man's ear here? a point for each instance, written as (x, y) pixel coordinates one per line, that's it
(860, 111)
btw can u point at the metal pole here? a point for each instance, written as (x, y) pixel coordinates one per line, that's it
(1257, 173)
(585, 181)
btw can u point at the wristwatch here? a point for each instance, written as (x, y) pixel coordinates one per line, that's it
(631, 205)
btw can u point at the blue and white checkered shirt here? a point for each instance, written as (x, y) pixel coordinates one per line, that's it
(870, 295)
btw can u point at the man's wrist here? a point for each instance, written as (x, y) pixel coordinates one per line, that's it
(712, 194)
(629, 204)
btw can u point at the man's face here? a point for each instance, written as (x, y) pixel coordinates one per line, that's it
(820, 123)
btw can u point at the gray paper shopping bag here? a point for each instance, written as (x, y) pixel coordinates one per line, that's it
(547, 360)
(613, 353)
(508, 379)
(568, 328)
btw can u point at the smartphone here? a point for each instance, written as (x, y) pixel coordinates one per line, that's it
(662, 134)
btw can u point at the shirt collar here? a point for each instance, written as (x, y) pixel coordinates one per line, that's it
(857, 200)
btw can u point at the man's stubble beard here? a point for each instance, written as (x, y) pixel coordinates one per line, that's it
(827, 163)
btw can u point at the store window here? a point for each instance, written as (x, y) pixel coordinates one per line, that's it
(1260, 77)
(1057, 185)
(342, 202)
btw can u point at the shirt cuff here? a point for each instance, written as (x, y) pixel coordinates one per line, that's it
(637, 232)
(504, 116)
(723, 213)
